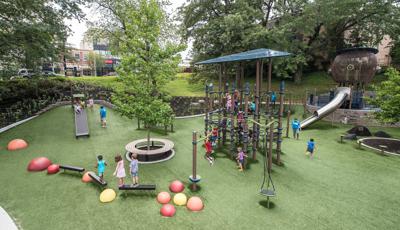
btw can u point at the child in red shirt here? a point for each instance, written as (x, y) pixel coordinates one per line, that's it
(208, 156)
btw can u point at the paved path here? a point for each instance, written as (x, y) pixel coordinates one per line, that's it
(6, 223)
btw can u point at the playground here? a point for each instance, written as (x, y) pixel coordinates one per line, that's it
(343, 187)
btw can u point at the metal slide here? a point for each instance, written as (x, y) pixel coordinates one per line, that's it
(341, 95)
(81, 124)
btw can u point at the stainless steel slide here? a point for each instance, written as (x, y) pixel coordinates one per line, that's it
(341, 94)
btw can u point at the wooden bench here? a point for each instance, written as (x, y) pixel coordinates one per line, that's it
(72, 168)
(138, 187)
(97, 179)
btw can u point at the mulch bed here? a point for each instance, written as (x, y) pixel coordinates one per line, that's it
(392, 145)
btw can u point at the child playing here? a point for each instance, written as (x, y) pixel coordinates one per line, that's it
(310, 148)
(103, 115)
(228, 102)
(101, 166)
(214, 136)
(119, 170)
(208, 156)
(240, 158)
(296, 128)
(134, 168)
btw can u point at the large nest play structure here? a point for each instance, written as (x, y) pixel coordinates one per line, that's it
(232, 107)
(352, 69)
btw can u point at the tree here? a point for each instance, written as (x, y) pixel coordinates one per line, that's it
(313, 30)
(148, 63)
(33, 31)
(395, 53)
(96, 62)
(388, 97)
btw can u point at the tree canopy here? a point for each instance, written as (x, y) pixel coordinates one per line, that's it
(311, 29)
(148, 62)
(388, 97)
(34, 31)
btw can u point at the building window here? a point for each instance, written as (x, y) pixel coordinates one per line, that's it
(77, 57)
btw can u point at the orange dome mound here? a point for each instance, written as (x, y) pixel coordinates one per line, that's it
(39, 164)
(195, 204)
(17, 144)
(86, 178)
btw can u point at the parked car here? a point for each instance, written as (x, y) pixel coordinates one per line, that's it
(49, 73)
(26, 73)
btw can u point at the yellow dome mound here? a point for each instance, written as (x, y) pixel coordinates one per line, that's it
(180, 199)
(107, 195)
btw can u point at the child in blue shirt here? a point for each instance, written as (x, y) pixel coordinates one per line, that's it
(310, 148)
(101, 166)
(296, 128)
(103, 114)
(134, 169)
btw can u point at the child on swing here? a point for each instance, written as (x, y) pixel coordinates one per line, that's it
(208, 146)
(240, 158)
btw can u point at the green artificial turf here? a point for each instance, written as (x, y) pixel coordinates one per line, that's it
(342, 188)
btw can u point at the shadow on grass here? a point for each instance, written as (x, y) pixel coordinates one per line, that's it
(141, 194)
(264, 203)
(194, 187)
(322, 126)
(71, 174)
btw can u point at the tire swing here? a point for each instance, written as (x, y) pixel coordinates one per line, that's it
(269, 191)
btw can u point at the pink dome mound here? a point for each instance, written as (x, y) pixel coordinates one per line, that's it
(176, 186)
(39, 164)
(195, 204)
(167, 210)
(163, 197)
(17, 144)
(53, 169)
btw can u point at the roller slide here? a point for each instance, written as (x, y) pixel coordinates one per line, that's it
(342, 93)
(81, 124)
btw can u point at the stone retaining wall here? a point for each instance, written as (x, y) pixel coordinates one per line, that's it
(354, 116)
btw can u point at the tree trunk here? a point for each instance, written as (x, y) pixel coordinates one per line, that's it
(298, 75)
(148, 138)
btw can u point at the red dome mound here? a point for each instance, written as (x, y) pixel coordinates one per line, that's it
(39, 164)
(53, 169)
(167, 210)
(17, 144)
(176, 186)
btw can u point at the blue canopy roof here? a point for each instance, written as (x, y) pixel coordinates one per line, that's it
(244, 56)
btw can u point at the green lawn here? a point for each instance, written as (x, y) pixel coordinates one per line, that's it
(319, 81)
(342, 188)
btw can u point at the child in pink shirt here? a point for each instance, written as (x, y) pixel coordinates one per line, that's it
(119, 170)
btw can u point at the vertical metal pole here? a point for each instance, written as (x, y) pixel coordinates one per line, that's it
(271, 138)
(225, 115)
(245, 117)
(194, 161)
(261, 76)
(256, 114)
(288, 123)
(279, 140)
(232, 129)
(206, 105)
(241, 85)
(269, 87)
(220, 104)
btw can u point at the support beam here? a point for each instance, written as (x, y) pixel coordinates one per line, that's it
(256, 113)
(280, 115)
